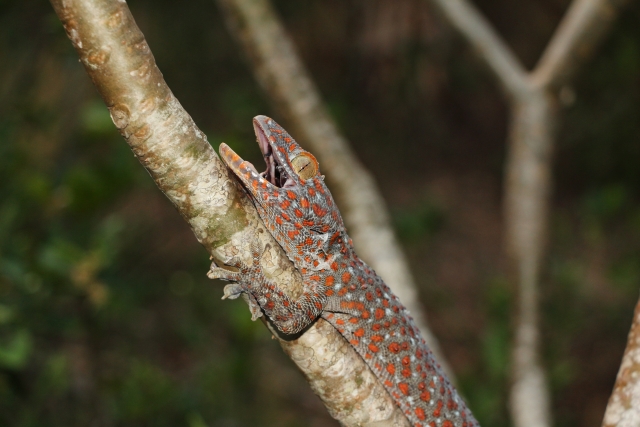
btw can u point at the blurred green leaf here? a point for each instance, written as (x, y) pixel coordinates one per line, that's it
(96, 118)
(15, 351)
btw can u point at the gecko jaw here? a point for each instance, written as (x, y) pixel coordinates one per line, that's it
(276, 173)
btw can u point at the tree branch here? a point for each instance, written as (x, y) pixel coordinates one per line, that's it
(583, 27)
(177, 155)
(623, 409)
(526, 208)
(469, 22)
(292, 92)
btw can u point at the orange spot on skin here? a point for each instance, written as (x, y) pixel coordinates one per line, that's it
(312, 192)
(297, 225)
(404, 388)
(354, 320)
(298, 213)
(318, 305)
(385, 302)
(329, 281)
(406, 361)
(376, 327)
(292, 234)
(367, 356)
(374, 348)
(447, 424)
(285, 216)
(292, 147)
(342, 291)
(329, 292)
(391, 369)
(319, 211)
(359, 332)
(394, 347)
(365, 315)
(420, 414)
(354, 342)
(388, 383)
(438, 410)
(314, 278)
(304, 203)
(379, 313)
(377, 338)
(369, 296)
(406, 373)
(346, 277)
(334, 266)
(425, 396)
(308, 223)
(291, 195)
(340, 322)
(285, 204)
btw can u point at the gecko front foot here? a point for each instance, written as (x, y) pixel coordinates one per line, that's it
(234, 290)
(243, 279)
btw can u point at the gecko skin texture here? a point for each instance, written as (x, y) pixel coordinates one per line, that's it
(299, 212)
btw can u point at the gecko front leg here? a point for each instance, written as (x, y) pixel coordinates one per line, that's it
(263, 295)
(239, 287)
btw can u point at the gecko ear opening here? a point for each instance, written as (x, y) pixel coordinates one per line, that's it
(305, 165)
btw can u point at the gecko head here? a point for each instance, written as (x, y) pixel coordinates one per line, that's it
(291, 184)
(288, 166)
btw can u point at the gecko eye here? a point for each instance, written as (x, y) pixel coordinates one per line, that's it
(305, 165)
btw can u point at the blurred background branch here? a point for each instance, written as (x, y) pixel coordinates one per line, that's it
(534, 119)
(291, 91)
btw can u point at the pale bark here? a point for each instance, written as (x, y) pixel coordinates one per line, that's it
(623, 409)
(528, 171)
(293, 94)
(178, 157)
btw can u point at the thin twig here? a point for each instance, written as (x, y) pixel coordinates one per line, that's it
(580, 32)
(185, 167)
(492, 49)
(623, 409)
(292, 92)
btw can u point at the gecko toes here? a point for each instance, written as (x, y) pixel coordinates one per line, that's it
(233, 291)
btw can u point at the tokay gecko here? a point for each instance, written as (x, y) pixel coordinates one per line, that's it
(299, 212)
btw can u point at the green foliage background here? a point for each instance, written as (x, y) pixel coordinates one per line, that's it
(106, 317)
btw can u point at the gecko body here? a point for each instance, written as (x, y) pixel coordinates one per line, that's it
(300, 213)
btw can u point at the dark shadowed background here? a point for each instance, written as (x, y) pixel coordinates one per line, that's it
(106, 315)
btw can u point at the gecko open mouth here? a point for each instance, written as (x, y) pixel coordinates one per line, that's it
(275, 173)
